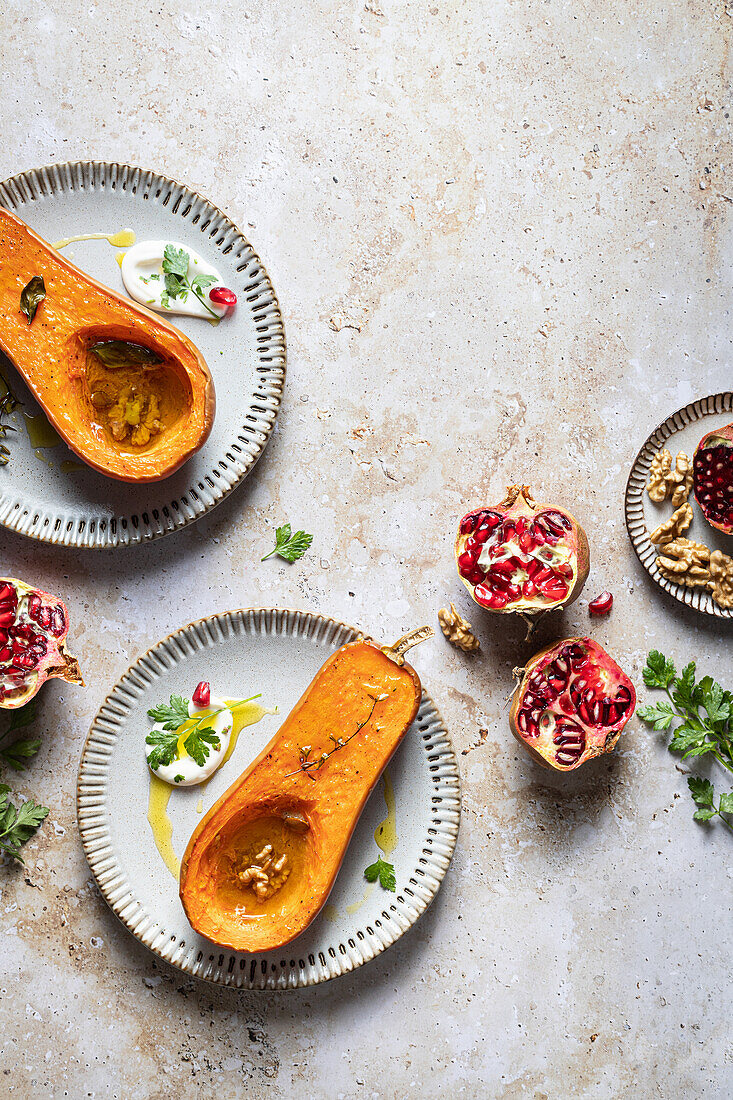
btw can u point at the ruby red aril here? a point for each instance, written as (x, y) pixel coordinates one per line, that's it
(33, 629)
(712, 477)
(202, 695)
(572, 704)
(223, 296)
(521, 556)
(602, 604)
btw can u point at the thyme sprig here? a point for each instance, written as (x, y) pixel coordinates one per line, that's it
(308, 765)
(8, 404)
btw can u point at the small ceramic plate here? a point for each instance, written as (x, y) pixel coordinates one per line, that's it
(47, 492)
(680, 432)
(277, 653)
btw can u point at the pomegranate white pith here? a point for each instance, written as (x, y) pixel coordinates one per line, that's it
(572, 704)
(712, 478)
(33, 629)
(521, 556)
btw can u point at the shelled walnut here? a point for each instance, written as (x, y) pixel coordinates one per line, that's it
(721, 578)
(658, 474)
(673, 527)
(264, 874)
(457, 630)
(679, 480)
(685, 562)
(668, 479)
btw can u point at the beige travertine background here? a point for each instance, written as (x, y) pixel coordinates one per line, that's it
(501, 234)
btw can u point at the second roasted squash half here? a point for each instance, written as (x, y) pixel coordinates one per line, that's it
(130, 394)
(262, 862)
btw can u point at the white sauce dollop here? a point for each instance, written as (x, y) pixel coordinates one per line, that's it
(222, 723)
(142, 274)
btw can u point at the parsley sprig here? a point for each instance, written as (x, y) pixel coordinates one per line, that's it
(383, 871)
(200, 740)
(705, 712)
(177, 283)
(18, 824)
(288, 545)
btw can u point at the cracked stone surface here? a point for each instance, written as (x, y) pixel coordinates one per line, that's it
(501, 236)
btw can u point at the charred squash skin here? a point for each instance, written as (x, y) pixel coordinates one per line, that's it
(340, 698)
(52, 353)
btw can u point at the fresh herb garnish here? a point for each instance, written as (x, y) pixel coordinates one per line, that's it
(177, 283)
(706, 714)
(199, 741)
(177, 778)
(384, 872)
(289, 546)
(8, 404)
(123, 353)
(306, 763)
(31, 296)
(18, 824)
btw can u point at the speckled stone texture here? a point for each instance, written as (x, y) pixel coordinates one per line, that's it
(500, 233)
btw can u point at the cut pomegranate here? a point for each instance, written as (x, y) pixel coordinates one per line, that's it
(223, 296)
(202, 695)
(712, 474)
(522, 556)
(33, 629)
(572, 704)
(602, 604)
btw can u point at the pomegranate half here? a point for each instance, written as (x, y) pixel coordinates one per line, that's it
(33, 629)
(522, 556)
(712, 477)
(571, 705)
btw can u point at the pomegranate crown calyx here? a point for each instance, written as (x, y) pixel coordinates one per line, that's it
(514, 492)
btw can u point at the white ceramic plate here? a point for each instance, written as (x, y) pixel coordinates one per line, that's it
(682, 431)
(276, 652)
(49, 494)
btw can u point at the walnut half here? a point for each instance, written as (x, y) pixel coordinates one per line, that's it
(658, 474)
(673, 527)
(457, 630)
(685, 562)
(721, 582)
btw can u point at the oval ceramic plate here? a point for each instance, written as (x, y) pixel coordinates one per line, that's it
(680, 432)
(46, 492)
(277, 653)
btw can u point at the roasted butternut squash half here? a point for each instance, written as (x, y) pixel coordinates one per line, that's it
(262, 862)
(128, 393)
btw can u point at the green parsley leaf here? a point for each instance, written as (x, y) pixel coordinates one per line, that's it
(177, 778)
(175, 261)
(18, 825)
(701, 790)
(704, 815)
(383, 871)
(197, 744)
(288, 546)
(18, 753)
(726, 803)
(170, 716)
(659, 672)
(661, 715)
(165, 748)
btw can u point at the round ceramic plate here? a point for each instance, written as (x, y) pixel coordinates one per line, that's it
(46, 492)
(277, 653)
(680, 432)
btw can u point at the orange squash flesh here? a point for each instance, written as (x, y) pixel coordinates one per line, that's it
(52, 354)
(254, 811)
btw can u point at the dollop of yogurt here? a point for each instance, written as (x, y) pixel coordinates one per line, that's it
(142, 274)
(222, 723)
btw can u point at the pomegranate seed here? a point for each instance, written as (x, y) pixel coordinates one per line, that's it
(468, 523)
(529, 589)
(202, 695)
(223, 296)
(465, 563)
(602, 604)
